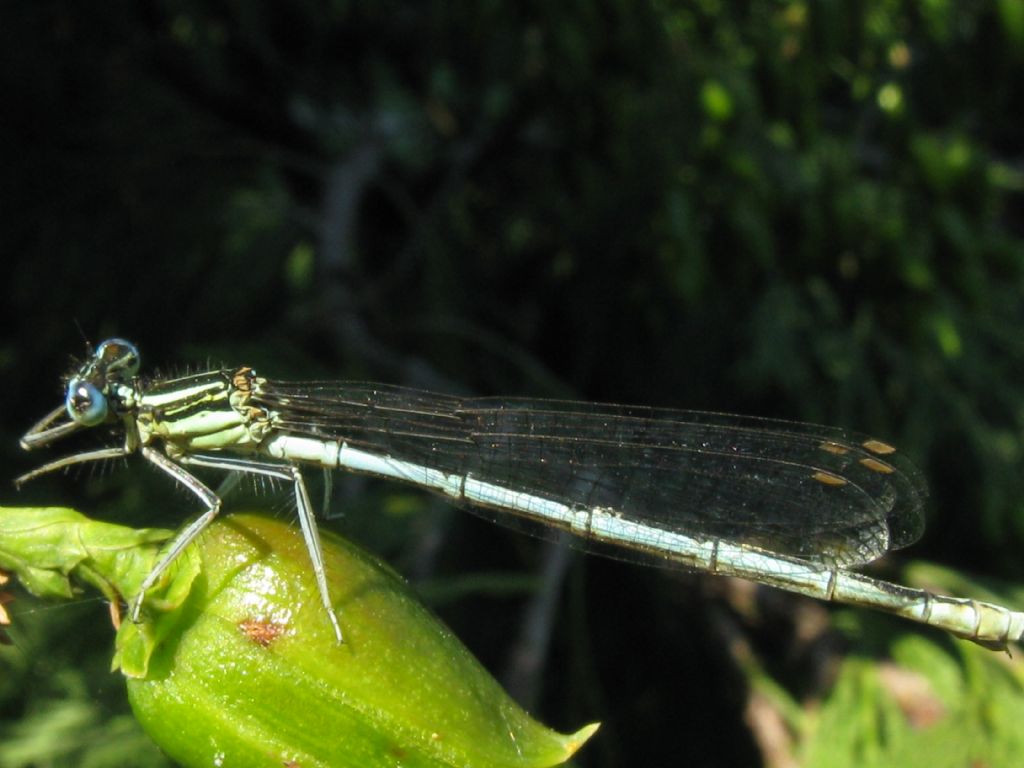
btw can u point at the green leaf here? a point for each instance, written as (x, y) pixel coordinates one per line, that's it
(44, 546)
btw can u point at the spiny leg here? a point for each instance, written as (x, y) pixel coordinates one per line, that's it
(69, 461)
(186, 536)
(307, 521)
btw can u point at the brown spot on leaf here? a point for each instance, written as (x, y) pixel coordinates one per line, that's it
(262, 632)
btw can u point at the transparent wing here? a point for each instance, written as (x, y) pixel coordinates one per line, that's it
(802, 490)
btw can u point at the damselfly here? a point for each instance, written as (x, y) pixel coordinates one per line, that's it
(794, 506)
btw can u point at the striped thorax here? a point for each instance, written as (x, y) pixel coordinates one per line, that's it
(206, 412)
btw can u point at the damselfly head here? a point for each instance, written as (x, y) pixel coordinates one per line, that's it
(97, 392)
(89, 390)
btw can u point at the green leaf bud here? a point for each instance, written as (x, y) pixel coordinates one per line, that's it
(236, 663)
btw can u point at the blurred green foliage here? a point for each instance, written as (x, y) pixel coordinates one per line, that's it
(795, 209)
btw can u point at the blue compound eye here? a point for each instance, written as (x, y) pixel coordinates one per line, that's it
(85, 403)
(118, 357)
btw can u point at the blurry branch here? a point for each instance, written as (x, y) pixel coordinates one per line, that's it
(527, 659)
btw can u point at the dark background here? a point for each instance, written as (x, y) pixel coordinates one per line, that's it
(799, 210)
